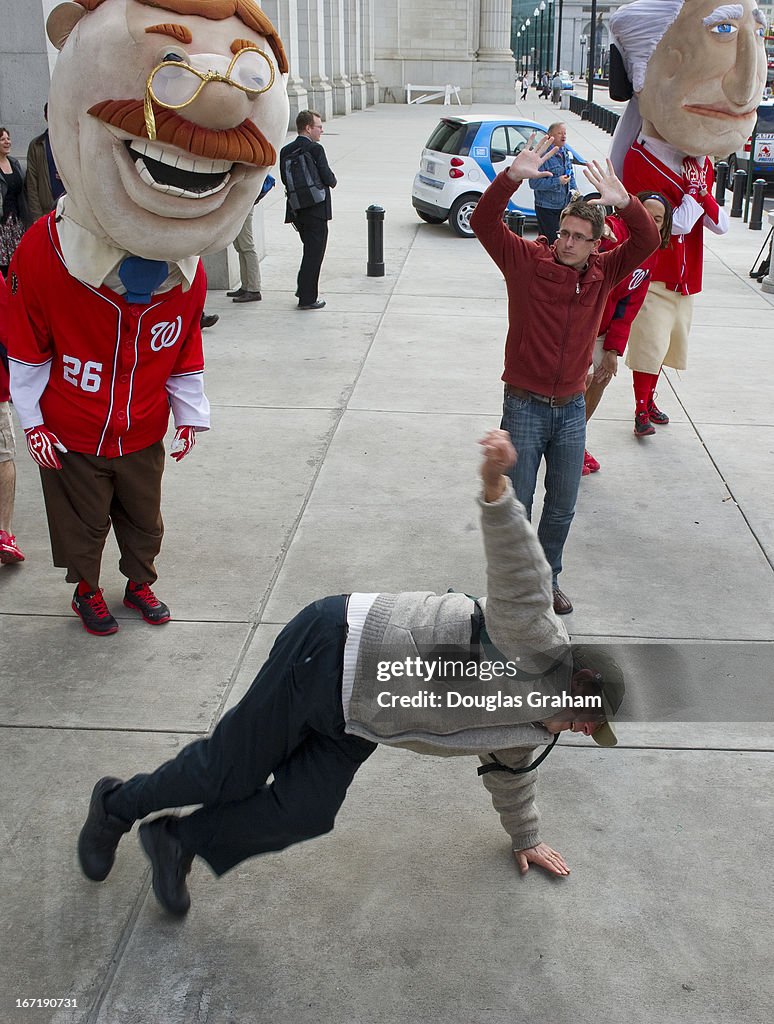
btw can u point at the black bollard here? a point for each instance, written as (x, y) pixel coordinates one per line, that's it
(740, 179)
(375, 218)
(756, 214)
(515, 220)
(721, 181)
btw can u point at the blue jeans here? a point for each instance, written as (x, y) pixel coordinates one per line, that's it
(558, 434)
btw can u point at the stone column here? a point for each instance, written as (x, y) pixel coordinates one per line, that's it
(367, 44)
(25, 73)
(354, 66)
(336, 52)
(283, 14)
(311, 38)
(495, 68)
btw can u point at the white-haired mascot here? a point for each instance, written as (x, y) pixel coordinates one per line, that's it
(695, 71)
(165, 117)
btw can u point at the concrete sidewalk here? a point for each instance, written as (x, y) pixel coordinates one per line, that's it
(343, 457)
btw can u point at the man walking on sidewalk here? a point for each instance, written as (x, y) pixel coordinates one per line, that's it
(308, 181)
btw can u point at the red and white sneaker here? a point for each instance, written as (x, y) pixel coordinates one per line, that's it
(141, 598)
(95, 614)
(10, 552)
(590, 464)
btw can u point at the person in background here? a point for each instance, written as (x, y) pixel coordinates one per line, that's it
(9, 549)
(623, 304)
(43, 184)
(308, 214)
(552, 193)
(14, 212)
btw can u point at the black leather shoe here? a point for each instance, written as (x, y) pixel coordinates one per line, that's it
(562, 603)
(170, 865)
(100, 834)
(208, 320)
(313, 305)
(247, 297)
(236, 292)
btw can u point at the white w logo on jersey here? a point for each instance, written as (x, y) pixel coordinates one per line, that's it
(638, 277)
(166, 333)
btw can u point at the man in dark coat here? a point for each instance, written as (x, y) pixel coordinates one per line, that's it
(307, 184)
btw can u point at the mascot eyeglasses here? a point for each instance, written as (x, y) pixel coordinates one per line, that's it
(175, 84)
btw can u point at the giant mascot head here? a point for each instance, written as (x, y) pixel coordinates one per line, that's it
(165, 117)
(697, 69)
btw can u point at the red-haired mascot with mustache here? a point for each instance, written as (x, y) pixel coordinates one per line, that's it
(694, 72)
(165, 117)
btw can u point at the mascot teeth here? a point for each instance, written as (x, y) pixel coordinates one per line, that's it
(177, 174)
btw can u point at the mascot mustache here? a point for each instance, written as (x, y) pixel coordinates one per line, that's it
(243, 144)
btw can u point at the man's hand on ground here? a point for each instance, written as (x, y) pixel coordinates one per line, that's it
(41, 444)
(499, 457)
(528, 163)
(542, 856)
(604, 180)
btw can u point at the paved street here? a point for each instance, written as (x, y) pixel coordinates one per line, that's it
(343, 457)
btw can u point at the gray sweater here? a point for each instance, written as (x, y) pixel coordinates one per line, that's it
(521, 623)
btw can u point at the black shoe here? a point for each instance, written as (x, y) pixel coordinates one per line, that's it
(100, 834)
(170, 865)
(562, 603)
(95, 614)
(313, 305)
(247, 297)
(642, 425)
(208, 320)
(143, 600)
(236, 293)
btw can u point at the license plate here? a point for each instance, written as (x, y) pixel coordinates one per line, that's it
(430, 167)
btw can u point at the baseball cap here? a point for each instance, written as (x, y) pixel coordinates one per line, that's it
(609, 678)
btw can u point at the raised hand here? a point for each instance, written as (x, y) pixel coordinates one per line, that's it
(41, 444)
(532, 157)
(499, 457)
(182, 443)
(611, 190)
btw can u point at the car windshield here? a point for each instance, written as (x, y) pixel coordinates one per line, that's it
(453, 137)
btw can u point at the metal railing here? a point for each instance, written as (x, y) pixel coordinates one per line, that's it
(600, 116)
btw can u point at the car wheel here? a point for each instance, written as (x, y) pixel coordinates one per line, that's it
(460, 214)
(733, 166)
(428, 218)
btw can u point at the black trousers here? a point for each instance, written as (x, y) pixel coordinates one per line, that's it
(548, 221)
(314, 236)
(289, 724)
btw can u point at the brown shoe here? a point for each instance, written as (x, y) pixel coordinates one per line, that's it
(562, 603)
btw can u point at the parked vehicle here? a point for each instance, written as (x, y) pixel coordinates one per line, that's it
(462, 156)
(763, 158)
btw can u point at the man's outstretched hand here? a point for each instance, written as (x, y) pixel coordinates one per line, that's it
(604, 180)
(528, 163)
(542, 856)
(499, 457)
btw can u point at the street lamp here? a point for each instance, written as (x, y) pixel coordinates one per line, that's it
(534, 48)
(541, 8)
(550, 38)
(583, 40)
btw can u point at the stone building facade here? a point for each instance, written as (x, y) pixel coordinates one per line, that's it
(344, 54)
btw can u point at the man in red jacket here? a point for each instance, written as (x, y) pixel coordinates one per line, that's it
(556, 297)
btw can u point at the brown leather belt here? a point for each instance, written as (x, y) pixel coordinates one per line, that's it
(530, 396)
